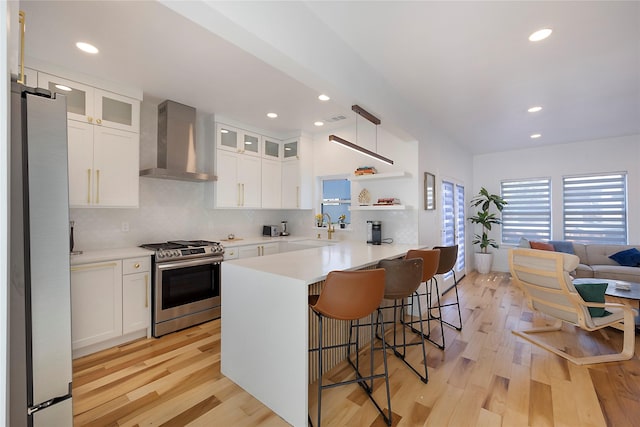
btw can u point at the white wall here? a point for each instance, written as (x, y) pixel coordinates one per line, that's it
(586, 157)
(331, 159)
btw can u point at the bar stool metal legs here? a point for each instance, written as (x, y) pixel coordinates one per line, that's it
(431, 260)
(448, 259)
(403, 277)
(352, 296)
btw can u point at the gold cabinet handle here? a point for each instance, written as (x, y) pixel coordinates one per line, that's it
(97, 186)
(22, 22)
(297, 196)
(90, 119)
(238, 203)
(99, 121)
(242, 194)
(88, 186)
(136, 265)
(146, 291)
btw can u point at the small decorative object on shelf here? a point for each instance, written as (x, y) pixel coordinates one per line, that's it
(387, 201)
(341, 219)
(319, 220)
(364, 198)
(365, 170)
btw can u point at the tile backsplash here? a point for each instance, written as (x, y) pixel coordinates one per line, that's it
(171, 210)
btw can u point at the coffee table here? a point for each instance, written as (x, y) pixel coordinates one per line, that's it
(633, 292)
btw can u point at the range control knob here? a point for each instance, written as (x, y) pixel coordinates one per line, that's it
(160, 255)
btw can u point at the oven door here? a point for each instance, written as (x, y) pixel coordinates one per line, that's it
(186, 287)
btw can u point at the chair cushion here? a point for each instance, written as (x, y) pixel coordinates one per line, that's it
(593, 292)
(628, 258)
(542, 246)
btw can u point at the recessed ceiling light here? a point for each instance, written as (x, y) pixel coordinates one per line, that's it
(534, 109)
(540, 35)
(272, 115)
(323, 97)
(318, 123)
(63, 87)
(86, 47)
(536, 135)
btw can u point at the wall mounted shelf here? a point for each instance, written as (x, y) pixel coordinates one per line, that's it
(376, 176)
(380, 208)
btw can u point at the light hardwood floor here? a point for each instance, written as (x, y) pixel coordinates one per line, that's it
(486, 377)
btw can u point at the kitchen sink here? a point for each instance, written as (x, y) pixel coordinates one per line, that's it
(299, 245)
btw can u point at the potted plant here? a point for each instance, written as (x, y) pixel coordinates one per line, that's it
(486, 219)
(319, 220)
(341, 219)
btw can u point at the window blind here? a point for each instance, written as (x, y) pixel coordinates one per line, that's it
(595, 208)
(528, 210)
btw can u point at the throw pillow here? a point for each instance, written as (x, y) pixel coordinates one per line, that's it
(593, 292)
(524, 243)
(563, 246)
(628, 257)
(542, 246)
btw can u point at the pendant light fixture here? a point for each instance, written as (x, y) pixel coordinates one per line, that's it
(373, 119)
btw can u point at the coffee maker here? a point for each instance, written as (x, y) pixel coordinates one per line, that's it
(374, 232)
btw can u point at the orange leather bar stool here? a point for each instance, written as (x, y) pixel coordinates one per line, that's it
(352, 295)
(448, 259)
(430, 261)
(403, 277)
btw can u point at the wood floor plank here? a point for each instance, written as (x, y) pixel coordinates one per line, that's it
(486, 376)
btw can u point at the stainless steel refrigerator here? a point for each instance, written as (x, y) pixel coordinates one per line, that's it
(39, 290)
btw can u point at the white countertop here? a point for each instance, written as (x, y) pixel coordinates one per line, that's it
(109, 254)
(313, 265)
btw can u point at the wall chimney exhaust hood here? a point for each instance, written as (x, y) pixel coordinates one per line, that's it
(176, 145)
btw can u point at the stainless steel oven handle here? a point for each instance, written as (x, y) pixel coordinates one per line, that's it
(186, 263)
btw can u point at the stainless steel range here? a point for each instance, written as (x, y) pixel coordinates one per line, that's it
(186, 284)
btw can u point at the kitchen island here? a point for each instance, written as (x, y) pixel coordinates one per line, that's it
(265, 319)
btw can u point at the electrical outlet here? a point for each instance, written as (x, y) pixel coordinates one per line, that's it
(125, 227)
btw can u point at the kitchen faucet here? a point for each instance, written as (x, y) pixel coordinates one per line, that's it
(330, 228)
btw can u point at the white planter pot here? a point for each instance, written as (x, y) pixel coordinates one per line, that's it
(483, 262)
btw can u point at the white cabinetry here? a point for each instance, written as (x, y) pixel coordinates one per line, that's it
(109, 303)
(104, 139)
(238, 184)
(271, 184)
(136, 312)
(96, 303)
(93, 105)
(238, 140)
(250, 251)
(103, 166)
(277, 179)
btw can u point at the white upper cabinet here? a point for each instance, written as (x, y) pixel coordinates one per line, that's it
(271, 184)
(96, 106)
(291, 149)
(241, 141)
(271, 148)
(103, 166)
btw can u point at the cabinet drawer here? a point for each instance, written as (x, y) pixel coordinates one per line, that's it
(230, 253)
(136, 265)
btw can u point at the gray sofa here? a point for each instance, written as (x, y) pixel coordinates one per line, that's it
(595, 262)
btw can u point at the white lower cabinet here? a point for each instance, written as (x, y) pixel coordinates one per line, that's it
(258, 250)
(96, 303)
(136, 313)
(109, 303)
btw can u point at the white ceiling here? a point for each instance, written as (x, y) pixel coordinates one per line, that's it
(463, 70)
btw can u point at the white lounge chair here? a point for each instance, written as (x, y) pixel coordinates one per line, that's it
(544, 278)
